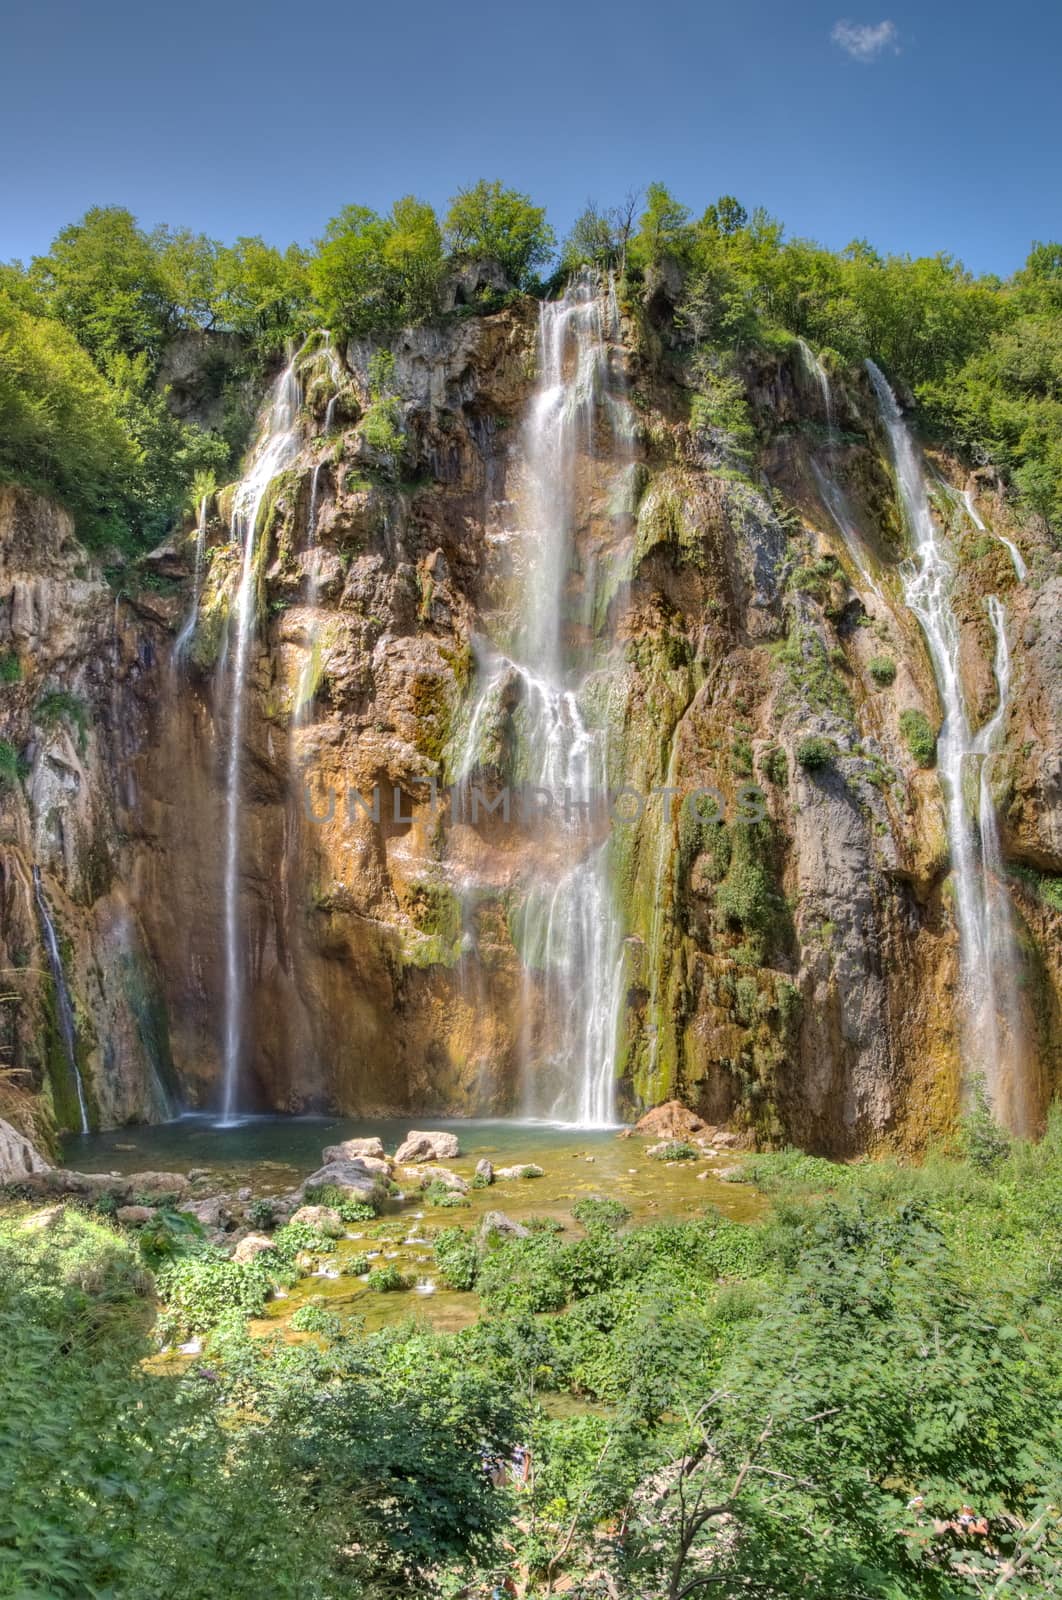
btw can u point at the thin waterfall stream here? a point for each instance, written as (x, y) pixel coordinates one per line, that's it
(989, 960)
(63, 1005)
(275, 449)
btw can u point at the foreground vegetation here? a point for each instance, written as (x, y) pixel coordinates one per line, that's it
(85, 331)
(799, 1407)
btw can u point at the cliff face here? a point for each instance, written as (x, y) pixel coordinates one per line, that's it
(796, 972)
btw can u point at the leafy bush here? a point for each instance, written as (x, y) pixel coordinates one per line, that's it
(198, 1290)
(327, 1194)
(12, 767)
(607, 1214)
(457, 1257)
(883, 670)
(389, 1277)
(311, 1318)
(59, 705)
(168, 1234)
(296, 1236)
(774, 766)
(676, 1150)
(443, 1199)
(261, 1214)
(814, 752)
(919, 737)
(10, 667)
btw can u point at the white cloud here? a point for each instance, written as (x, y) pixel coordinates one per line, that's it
(865, 40)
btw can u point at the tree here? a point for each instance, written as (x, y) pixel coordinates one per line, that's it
(663, 228)
(371, 273)
(491, 221)
(261, 292)
(102, 278)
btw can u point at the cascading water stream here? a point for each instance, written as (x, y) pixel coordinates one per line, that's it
(1018, 561)
(188, 626)
(304, 691)
(63, 1007)
(988, 954)
(571, 931)
(275, 449)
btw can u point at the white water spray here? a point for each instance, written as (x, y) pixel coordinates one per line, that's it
(988, 955)
(275, 449)
(183, 639)
(63, 1008)
(571, 930)
(1016, 556)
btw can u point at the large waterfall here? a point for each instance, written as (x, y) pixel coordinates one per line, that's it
(64, 1009)
(275, 449)
(570, 929)
(988, 950)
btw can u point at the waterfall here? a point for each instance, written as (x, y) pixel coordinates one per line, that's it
(1021, 570)
(188, 626)
(815, 369)
(571, 935)
(988, 955)
(305, 689)
(63, 1006)
(276, 447)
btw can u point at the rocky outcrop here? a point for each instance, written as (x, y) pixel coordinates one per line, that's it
(672, 1120)
(428, 1147)
(789, 968)
(18, 1158)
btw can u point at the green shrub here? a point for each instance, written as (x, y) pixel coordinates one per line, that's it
(389, 1277)
(199, 1290)
(814, 752)
(676, 1150)
(774, 766)
(59, 705)
(883, 670)
(12, 766)
(261, 1214)
(327, 1194)
(919, 737)
(457, 1257)
(312, 1318)
(296, 1236)
(10, 667)
(168, 1234)
(607, 1214)
(444, 1199)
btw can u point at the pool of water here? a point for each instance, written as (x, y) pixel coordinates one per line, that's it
(272, 1155)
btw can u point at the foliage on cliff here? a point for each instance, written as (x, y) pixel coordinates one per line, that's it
(84, 330)
(826, 1403)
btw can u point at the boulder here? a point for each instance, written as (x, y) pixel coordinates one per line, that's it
(156, 1183)
(209, 1213)
(443, 1178)
(485, 1170)
(496, 1222)
(351, 1148)
(251, 1245)
(352, 1178)
(672, 1120)
(527, 1170)
(428, 1147)
(325, 1219)
(134, 1216)
(17, 1156)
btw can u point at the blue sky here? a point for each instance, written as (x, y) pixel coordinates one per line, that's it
(936, 127)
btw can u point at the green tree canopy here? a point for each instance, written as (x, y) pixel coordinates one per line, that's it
(490, 220)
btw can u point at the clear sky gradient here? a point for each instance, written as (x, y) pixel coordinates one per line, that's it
(936, 128)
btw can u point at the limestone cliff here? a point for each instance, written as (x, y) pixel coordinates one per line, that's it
(795, 973)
